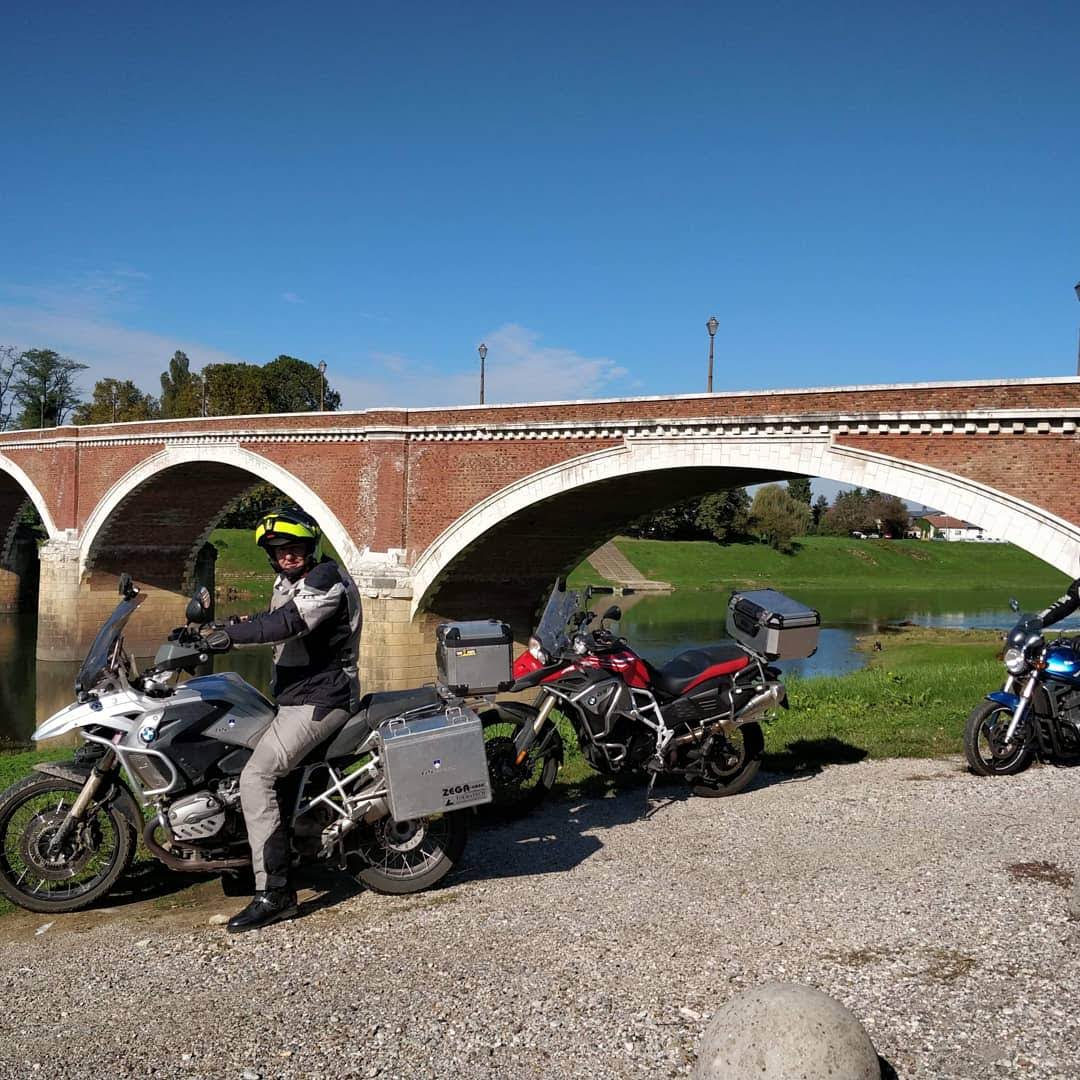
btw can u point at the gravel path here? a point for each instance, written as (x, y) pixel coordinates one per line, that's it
(585, 942)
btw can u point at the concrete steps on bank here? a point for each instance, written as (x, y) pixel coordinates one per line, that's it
(609, 562)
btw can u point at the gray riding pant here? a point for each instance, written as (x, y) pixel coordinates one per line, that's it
(286, 742)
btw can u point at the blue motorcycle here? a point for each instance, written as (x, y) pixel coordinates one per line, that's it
(1036, 713)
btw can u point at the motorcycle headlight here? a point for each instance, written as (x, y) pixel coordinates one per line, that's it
(537, 650)
(581, 646)
(1015, 662)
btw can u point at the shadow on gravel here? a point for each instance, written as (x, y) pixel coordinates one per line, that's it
(147, 880)
(552, 839)
(812, 755)
(887, 1071)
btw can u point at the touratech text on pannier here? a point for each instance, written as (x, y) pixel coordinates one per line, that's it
(474, 657)
(435, 763)
(773, 625)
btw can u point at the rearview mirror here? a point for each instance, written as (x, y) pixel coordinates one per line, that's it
(200, 607)
(614, 612)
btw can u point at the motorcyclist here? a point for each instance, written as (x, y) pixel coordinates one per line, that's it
(313, 622)
(1063, 606)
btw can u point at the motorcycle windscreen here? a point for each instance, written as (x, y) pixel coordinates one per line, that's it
(551, 631)
(100, 656)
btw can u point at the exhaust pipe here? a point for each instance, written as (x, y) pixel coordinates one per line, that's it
(178, 862)
(771, 696)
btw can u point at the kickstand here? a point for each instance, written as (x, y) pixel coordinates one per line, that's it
(653, 773)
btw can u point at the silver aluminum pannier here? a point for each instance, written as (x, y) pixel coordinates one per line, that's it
(435, 763)
(773, 624)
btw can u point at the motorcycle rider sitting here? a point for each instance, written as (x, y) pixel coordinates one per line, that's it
(314, 624)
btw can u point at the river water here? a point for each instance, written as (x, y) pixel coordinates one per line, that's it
(658, 626)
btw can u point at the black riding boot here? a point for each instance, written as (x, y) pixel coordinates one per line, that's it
(270, 906)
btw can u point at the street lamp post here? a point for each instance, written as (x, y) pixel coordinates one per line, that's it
(482, 350)
(322, 386)
(712, 326)
(1078, 368)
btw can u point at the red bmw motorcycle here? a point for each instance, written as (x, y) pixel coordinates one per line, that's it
(696, 717)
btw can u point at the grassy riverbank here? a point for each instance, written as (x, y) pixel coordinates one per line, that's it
(837, 562)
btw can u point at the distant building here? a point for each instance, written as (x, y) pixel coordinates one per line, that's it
(944, 527)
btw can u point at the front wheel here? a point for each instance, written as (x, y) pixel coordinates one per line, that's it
(985, 748)
(399, 857)
(731, 763)
(40, 875)
(518, 787)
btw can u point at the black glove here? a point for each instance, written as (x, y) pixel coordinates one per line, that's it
(218, 641)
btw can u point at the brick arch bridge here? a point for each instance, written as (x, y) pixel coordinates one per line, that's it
(468, 512)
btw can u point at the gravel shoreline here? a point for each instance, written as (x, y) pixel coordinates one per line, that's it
(584, 941)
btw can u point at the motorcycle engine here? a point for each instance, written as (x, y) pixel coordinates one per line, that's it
(196, 817)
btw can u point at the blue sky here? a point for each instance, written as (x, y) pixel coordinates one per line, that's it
(859, 193)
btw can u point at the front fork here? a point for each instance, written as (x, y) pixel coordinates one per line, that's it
(83, 801)
(530, 732)
(1018, 713)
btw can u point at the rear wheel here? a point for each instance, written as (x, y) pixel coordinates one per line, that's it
(731, 763)
(984, 742)
(398, 857)
(518, 787)
(48, 877)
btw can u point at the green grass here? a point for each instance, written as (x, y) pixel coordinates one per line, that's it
(838, 562)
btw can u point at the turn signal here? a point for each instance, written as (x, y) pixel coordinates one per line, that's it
(521, 756)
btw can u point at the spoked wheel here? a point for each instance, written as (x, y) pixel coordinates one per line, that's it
(732, 762)
(985, 747)
(44, 874)
(518, 787)
(407, 856)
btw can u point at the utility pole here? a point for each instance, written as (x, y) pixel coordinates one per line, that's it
(482, 350)
(712, 326)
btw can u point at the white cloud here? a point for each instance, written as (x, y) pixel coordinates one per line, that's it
(292, 298)
(81, 321)
(517, 368)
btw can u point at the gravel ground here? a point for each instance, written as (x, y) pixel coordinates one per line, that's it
(586, 942)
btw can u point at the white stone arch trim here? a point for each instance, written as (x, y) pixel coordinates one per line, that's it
(1043, 534)
(259, 467)
(24, 481)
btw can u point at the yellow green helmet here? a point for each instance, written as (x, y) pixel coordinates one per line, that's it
(287, 526)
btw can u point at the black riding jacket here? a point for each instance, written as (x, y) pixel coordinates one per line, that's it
(1063, 606)
(314, 625)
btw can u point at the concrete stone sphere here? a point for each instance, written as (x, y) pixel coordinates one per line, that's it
(784, 1031)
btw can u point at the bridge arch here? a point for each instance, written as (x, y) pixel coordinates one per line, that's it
(229, 470)
(739, 461)
(16, 479)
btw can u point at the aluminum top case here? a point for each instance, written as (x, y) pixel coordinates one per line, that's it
(435, 763)
(773, 625)
(474, 657)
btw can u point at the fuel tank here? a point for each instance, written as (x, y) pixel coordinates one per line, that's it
(249, 715)
(1063, 663)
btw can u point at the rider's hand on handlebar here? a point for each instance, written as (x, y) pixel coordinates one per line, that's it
(217, 640)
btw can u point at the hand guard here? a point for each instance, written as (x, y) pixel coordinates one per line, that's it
(218, 641)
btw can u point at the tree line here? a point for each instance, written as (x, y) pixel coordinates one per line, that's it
(776, 515)
(39, 388)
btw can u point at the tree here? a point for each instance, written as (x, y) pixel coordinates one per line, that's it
(114, 402)
(678, 522)
(725, 516)
(777, 518)
(9, 372)
(799, 489)
(253, 505)
(890, 515)
(181, 391)
(294, 385)
(821, 504)
(850, 512)
(44, 389)
(234, 390)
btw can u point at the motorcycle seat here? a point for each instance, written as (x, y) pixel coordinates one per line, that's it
(374, 709)
(695, 666)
